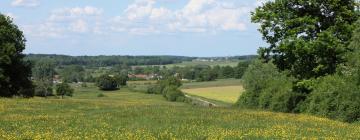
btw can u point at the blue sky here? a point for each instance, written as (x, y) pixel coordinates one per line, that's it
(136, 27)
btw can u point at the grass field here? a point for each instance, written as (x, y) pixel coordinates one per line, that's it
(209, 63)
(129, 115)
(227, 94)
(217, 83)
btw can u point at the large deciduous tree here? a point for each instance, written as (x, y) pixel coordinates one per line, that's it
(307, 37)
(15, 73)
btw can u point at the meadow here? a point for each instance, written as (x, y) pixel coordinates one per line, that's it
(216, 83)
(227, 94)
(130, 115)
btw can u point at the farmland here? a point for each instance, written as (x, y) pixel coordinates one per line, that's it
(130, 115)
(227, 94)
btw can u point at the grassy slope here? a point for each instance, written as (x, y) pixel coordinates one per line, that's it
(129, 115)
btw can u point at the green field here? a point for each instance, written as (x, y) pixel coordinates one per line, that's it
(217, 83)
(130, 115)
(232, 63)
(227, 94)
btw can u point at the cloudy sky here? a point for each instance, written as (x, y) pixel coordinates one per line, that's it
(136, 27)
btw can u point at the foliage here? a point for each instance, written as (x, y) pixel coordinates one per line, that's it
(207, 74)
(334, 96)
(337, 96)
(73, 73)
(308, 38)
(122, 79)
(172, 93)
(227, 72)
(106, 82)
(43, 73)
(43, 89)
(104, 61)
(100, 95)
(64, 89)
(154, 89)
(15, 73)
(169, 88)
(240, 69)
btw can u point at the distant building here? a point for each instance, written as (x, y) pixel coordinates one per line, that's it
(57, 79)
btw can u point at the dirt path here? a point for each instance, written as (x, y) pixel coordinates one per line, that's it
(201, 102)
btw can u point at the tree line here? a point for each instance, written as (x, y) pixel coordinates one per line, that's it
(312, 62)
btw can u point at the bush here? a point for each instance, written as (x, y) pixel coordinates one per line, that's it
(172, 93)
(335, 97)
(256, 79)
(267, 88)
(106, 82)
(43, 89)
(154, 89)
(101, 95)
(64, 89)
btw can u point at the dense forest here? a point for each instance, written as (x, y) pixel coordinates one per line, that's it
(104, 61)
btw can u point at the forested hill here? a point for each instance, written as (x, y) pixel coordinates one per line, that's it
(103, 61)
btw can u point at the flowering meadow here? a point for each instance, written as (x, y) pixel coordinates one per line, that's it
(136, 116)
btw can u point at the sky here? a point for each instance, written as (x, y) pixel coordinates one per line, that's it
(136, 27)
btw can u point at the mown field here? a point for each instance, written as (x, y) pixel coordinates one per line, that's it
(129, 115)
(232, 63)
(227, 94)
(217, 83)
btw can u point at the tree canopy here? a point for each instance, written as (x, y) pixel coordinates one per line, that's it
(15, 73)
(307, 37)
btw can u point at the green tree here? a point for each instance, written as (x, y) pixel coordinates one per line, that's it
(43, 73)
(106, 82)
(122, 78)
(227, 72)
(240, 69)
(172, 94)
(64, 89)
(307, 37)
(15, 73)
(73, 73)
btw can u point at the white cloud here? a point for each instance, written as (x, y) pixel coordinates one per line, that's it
(73, 13)
(195, 16)
(65, 21)
(25, 3)
(79, 26)
(146, 17)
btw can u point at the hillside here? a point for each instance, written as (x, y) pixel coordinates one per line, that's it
(129, 115)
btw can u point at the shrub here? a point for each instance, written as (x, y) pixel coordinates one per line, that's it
(43, 89)
(106, 82)
(267, 88)
(335, 97)
(256, 78)
(64, 89)
(172, 93)
(101, 95)
(154, 89)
